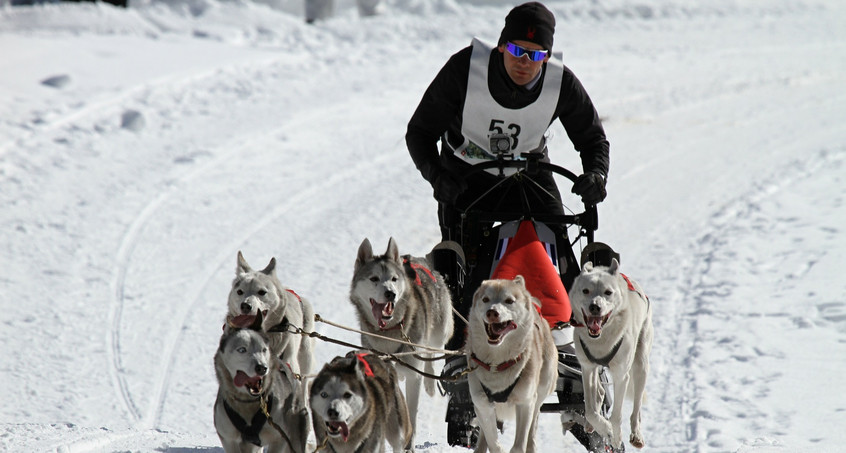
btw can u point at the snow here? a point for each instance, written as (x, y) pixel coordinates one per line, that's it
(142, 148)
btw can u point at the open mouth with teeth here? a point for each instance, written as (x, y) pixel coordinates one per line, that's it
(244, 321)
(338, 429)
(594, 323)
(383, 313)
(497, 330)
(253, 384)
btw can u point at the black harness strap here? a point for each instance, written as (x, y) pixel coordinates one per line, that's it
(604, 361)
(249, 433)
(502, 396)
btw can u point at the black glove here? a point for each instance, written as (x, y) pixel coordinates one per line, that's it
(448, 187)
(591, 187)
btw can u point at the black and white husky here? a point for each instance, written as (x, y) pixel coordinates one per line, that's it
(613, 320)
(250, 376)
(356, 406)
(402, 298)
(260, 292)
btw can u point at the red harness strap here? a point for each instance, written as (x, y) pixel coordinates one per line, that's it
(417, 268)
(367, 370)
(501, 367)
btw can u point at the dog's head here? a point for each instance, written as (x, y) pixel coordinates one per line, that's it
(501, 309)
(245, 356)
(253, 292)
(338, 396)
(597, 295)
(379, 283)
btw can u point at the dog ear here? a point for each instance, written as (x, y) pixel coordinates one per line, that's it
(271, 266)
(365, 253)
(393, 251)
(614, 267)
(520, 281)
(242, 267)
(587, 267)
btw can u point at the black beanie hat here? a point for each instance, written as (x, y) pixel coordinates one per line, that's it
(529, 22)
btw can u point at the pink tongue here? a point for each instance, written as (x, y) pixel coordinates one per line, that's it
(377, 314)
(345, 430)
(242, 379)
(595, 324)
(243, 321)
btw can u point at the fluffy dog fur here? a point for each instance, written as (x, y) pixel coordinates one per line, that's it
(614, 329)
(515, 360)
(400, 297)
(356, 405)
(248, 372)
(255, 292)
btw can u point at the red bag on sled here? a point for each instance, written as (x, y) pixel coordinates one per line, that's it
(525, 254)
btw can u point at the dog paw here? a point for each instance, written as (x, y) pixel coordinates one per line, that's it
(637, 440)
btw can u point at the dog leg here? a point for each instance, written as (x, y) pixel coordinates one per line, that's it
(593, 401)
(486, 416)
(412, 394)
(524, 425)
(640, 369)
(621, 385)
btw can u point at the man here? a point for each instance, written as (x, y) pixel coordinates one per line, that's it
(515, 89)
(490, 99)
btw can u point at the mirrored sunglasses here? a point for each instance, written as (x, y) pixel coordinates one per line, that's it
(517, 51)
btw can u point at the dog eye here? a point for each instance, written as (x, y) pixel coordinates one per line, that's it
(608, 292)
(324, 395)
(348, 395)
(374, 279)
(242, 350)
(393, 279)
(486, 299)
(585, 291)
(240, 292)
(262, 292)
(509, 301)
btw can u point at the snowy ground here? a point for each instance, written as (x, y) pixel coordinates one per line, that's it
(141, 148)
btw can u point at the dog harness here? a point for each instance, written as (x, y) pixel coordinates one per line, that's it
(416, 268)
(500, 397)
(604, 361)
(496, 368)
(250, 433)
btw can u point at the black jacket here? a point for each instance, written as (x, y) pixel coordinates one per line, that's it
(442, 105)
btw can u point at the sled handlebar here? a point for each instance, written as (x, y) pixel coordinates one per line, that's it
(530, 164)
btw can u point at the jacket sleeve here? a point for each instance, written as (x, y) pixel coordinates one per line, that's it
(583, 126)
(440, 108)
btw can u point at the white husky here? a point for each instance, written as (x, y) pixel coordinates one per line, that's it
(614, 329)
(255, 292)
(511, 348)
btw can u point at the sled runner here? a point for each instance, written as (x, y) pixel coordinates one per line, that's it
(493, 243)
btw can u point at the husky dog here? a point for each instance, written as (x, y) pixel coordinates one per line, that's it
(511, 348)
(260, 292)
(400, 297)
(356, 405)
(248, 374)
(614, 330)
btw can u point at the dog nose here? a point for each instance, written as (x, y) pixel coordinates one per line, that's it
(261, 370)
(332, 413)
(492, 315)
(594, 309)
(246, 308)
(390, 295)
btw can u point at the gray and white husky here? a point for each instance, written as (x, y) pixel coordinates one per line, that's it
(402, 298)
(260, 292)
(356, 405)
(247, 373)
(515, 362)
(613, 320)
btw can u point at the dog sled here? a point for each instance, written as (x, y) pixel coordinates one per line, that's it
(478, 252)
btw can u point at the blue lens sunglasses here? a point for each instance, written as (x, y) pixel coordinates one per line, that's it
(517, 51)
